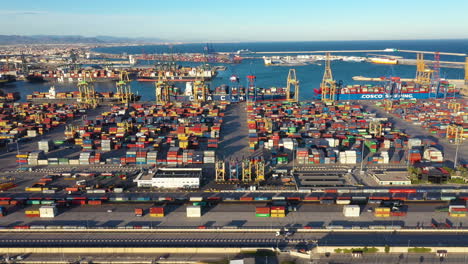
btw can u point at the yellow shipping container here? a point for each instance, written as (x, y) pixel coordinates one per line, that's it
(157, 215)
(278, 215)
(33, 189)
(382, 209)
(382, 215)
(278, 211)
(457, 215)
(32, 212)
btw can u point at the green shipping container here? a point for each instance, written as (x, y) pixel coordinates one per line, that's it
(262, 215)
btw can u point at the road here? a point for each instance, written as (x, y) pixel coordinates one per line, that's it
(221, 215)
(234, 144)
(187, 239)
(416, 131)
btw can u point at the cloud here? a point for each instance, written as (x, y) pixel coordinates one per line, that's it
(21, 12)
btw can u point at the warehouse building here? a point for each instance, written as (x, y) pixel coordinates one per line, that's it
(170, 178)
(391, 177)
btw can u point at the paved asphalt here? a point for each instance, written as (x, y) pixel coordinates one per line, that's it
(187, 239)
(419, 132)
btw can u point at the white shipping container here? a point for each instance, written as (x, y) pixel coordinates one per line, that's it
(47, 211)
(193, 211)
(351, 210)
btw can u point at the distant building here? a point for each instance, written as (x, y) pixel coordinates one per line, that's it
(171, 178)
(434, 175)
(399, 177)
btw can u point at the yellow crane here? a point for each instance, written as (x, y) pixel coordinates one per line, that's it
(200, 89)
(455, 132)
(260, 170)
(375, 128)
(162, 90)
(292, 81)
(328, 85)
(220, 171)
(124, 92)
(87, 93)
(246, 170)
(423, 73)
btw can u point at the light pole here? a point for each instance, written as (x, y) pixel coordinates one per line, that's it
(456, 153)
(362, 156)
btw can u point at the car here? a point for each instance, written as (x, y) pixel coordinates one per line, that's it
(110, 210)
(370, 210)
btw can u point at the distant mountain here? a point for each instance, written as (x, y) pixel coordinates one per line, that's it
(52, 39)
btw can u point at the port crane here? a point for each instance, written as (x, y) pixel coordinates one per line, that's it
(124, 92)
(162, 90)
(200, 88)
(251, 88)
(87, 93)
(246, 170)
(328, 85)
(292, 81)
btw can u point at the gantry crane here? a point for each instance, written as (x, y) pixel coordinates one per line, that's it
(423, 73)
(246, 170)
(260, 170)
(220, 171)
(200, 89)
(87, 93)
(455, 106)
(292, 81)
(124, 92)
(375, 128)
(251, 88)
(328, 85)
(455, 132)
(162, 90)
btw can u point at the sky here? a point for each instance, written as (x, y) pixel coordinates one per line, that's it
(239, 20)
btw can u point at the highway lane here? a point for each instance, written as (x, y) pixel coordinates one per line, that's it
(231, 239)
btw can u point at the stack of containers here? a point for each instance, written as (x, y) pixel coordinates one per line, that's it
(45, 145)
(156, 211)
(209, 156)
(48, 211)
(85, 156)
(53, 161)
(106, 145)
(32, 213)
(382, 212)
(457, 211)
(141, 157)
(131, 156)
(22, 158)
(198, 157)
(371, 145)
(34, 157)
(414, 156)
(213, 143)
(434, 155)
(263, 211)
(278, 211)
(152, 157)
(88, 144)
(348, 157)
(172, 156)
(302, 155)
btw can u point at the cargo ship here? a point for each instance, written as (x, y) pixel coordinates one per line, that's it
(53, 95)
(72, 76)
(225, 93)
(9, 97)
(379, 60)
(7, 78)
(175, 73)
(403, 91)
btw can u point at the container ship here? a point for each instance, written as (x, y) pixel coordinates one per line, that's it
(9, 97)
(175, 73)
(7, 78)
(53, 95)
(403, 91)
(65, 76)
(225, 93)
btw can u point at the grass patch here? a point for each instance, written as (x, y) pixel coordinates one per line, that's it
(419, 250)
(351, 250)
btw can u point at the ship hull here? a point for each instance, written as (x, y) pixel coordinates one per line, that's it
(232, 98)
(375, 96)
